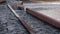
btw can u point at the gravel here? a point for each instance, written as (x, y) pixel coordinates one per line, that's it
(8, 2)
(9, 24)
(39, 26)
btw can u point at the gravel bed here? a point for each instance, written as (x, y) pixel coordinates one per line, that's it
(8, 2)
(39, 26)
(9, 24)
(3, 7)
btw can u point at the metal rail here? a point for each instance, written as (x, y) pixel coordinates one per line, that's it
(44, 17)
(22, 21)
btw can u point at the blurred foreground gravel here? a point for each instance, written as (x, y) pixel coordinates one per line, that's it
(9, 24)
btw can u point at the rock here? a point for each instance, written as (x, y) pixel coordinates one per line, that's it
(16, 4)
(1, 1)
